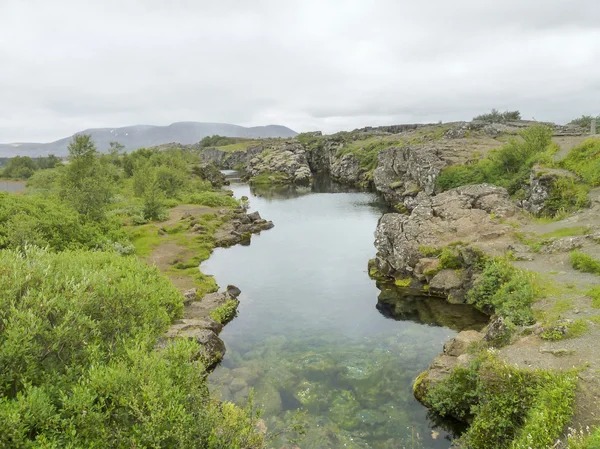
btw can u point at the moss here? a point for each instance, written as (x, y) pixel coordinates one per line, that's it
(430, 251)
(403, 282)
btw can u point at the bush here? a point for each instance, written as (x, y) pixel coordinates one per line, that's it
(582, 262)
(499, 117)
(225, 313)
(566, 195)
(585, 121)
(504, 290)
(585, 161)
(79, 368)
(47, 221)
(507, 167)
(211, 199)
(510, 407)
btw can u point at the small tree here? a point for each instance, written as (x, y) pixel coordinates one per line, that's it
(85, 183)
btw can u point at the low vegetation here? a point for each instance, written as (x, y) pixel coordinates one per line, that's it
(23, 167)
(496, 116)
(582, 262)
(584, 160)
(512, 407)
(585, 121)
(80, 315)
(504, 290)
(225, 313)
(508, 167)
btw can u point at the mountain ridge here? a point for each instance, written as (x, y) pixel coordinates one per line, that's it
(139, 136)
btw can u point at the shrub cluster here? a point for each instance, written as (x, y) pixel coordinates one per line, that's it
(508, 407)
(508, 167)
(499, 117)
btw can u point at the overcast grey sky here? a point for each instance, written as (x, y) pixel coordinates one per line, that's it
(67, 65)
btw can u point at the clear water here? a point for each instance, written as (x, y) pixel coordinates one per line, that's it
(311, 333)
(12, 186)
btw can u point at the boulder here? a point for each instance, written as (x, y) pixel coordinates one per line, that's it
(403, 172)
(233, 291)
(459, 344)
(288, 160)
(448, 283)
(541, 183)
(189, 296)
(460, 214)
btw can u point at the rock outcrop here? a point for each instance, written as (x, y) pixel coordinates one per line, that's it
(240, 229)
(197, 325)
(229, 160)
(541, 183)
(404, 172)
(461, 214)
(455, 354)
(287, 163)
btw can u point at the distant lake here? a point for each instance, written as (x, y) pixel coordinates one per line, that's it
(12, 186)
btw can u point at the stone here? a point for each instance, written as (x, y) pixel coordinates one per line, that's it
(497, 331)
(189, 296)
(541, 182)
(424, 267)
(459, 344)
(287, 162)
(233, 291)
(237, 384)
(254, 216)
(447, 283)
(212, 348)
(460, 214)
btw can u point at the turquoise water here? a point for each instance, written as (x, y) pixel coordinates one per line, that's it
(315, 333)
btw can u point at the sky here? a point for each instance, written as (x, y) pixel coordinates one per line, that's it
(330, 65)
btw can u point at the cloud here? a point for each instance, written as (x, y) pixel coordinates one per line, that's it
(332, 64)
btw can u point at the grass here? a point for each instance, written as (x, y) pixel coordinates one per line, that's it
(582, 262)
(272, 178)
(585, 161)
(508, 166)
(566, 232)
(594, 293)
(239, 146)
(560, 331)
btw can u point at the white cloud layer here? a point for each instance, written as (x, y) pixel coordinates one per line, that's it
(67, 65)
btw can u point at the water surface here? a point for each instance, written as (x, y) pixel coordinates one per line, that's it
(310, 335)
(12, 186)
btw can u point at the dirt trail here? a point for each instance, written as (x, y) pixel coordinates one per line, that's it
(571, 302)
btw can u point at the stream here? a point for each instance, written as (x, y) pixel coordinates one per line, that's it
(315, 333)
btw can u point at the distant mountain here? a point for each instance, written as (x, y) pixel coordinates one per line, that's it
(139, 136)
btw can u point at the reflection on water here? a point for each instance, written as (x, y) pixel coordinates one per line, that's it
(309, 333)
(405, 305)
(12, 186)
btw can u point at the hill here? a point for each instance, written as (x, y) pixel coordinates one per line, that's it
(139, 136)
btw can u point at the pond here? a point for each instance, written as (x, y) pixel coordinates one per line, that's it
(315, 333)
(12, 186)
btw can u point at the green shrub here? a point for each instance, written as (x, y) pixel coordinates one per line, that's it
(451, 259)
(585, 121)
(594, 293)
(504, 290)
(47, 221)
(585, 161)
(507, 167)
(566, 195)
(225, 313)
(510, 407)
(582, 262)
(79, 366)
(211, 199)
(499, 117)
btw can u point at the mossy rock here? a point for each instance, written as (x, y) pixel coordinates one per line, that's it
(421, 386)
